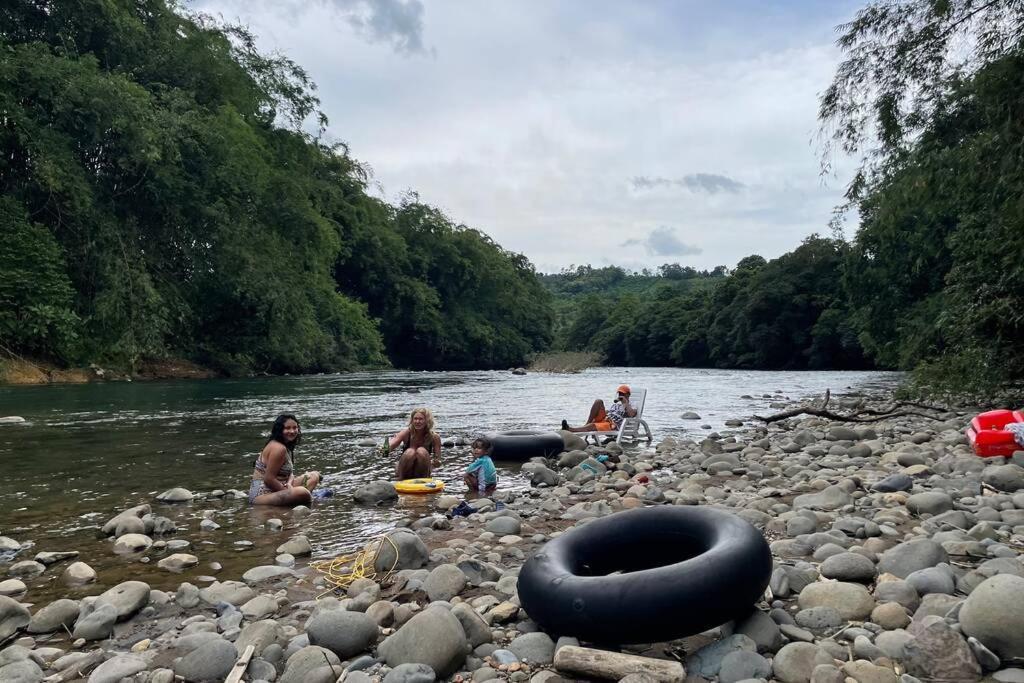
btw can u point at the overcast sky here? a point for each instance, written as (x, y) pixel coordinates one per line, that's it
(634, 133)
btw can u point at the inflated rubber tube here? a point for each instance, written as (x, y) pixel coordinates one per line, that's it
(683, 570)
(422, 485)
(523, 445)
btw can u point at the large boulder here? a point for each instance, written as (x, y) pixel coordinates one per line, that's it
(795, 662)
(299, 546)
(376, 492)
(95, 622)
(13, 617)
(1009, 478)
(906, 558)
(126, 598)
(210, 661)
(851, 600)
(136, 513)
(401, 549)
(132, 543)
(311, 664)
(57, 615)
(939, 653)
(232, 592)
(572, 441)
(260, 634)
(117, 668)
(175, 495)
(78, 574)
(344, 633)
(994, 614)
(445, 582)
(433, 637)
(266, 573)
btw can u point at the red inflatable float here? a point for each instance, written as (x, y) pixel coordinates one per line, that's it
(989, 436)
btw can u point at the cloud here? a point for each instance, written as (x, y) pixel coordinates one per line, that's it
(398, 22)
(712, 183)
(662, 241)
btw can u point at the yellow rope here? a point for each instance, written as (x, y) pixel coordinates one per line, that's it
(343, 570)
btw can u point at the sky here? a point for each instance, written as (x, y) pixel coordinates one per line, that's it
(633, 133)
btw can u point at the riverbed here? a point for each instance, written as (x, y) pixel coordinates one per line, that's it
(87, 452)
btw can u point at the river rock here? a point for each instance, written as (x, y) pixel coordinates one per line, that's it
(232, 592)
(412, 552)
(54, 616)
(994, 614)
(311, 664)
(209, 662)
(707, 661)
(49, 558)
(572, 441)
(178, 562)
(893, 483)
(12, 420)
(26, 568)
(905, 558)
(175, 495)
(265, 573)
(261, 635)
(840, 433)
(937, 579)
(10, 587)
(136, 513)
(344, 633)
(96, 622)
(852, 600)
(9, 545)
(126, 598)
(13, 617)
(298, 546)
(929, 503)
(433, 637)
(832, 498)
(260, 607)
(21, 671)
(795, 662)
(78, 574)
(132, 543)
(743, 666)
(534, 648)
(445, 582)
(762, 629)
(476, 629)
(411, 673)
(376, 492)
(849, 567)
(117, 668)
(1009, 478)
(940, 653)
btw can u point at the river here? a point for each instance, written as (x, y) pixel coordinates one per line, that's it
(89, 451)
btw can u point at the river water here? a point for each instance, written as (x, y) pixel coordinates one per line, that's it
(90, 451)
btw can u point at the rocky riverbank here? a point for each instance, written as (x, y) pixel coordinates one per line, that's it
(897, 553)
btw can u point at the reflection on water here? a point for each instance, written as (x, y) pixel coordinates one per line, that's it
(90, 451)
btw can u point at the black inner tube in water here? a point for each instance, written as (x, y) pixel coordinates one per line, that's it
(647, 575)
(522, 445)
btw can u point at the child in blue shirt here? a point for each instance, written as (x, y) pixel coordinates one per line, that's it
(481, 477)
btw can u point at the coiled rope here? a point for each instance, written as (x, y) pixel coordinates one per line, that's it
(341, 571)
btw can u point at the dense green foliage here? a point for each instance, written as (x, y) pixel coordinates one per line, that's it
(935, 275)
(159, 197)
(788, 313)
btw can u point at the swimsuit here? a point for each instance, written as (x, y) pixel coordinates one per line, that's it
(258, 487)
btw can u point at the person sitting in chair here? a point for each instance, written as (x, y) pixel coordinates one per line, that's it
(601, 420)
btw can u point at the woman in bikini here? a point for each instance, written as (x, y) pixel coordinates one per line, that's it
(273, 482)
(421, 446)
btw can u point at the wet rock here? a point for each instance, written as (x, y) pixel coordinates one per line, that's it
(994, 614)
(939, 652)
(298, 546)
(260, 607)
(344, 633)
(121, 666)
(433, 637)
(9, 545)
(26, 568)
(175, 495)
(266, 573)
(21, 671)
(126, 598)
(78, 574)
(130, 517)
(689, 415)
(852, 600)
(48, 558)
(905, 558)
(13, 617)
(308, 665)
(96, 622)
(261, 635)
(10, 587)
(53, 617)
(571, 441)
(412, 552)
(376, 492)
(132, 543)
(445, 582)
(209, 662)
(177, 562)
(232, 592)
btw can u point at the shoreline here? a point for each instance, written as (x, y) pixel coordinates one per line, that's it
(851, 593)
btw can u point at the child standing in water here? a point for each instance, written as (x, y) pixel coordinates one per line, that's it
(481, 477)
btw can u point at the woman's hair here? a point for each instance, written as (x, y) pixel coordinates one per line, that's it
(483, 443)
(277, 431)
(427, 414)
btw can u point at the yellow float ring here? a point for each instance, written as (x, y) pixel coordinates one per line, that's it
(424, 485)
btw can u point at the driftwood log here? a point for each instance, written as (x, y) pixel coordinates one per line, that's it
(80, 669)
(896, 409)
(588, 663)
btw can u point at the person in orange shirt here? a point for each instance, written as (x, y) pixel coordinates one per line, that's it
(602, 420)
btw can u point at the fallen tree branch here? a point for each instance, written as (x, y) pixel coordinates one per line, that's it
(836, 417)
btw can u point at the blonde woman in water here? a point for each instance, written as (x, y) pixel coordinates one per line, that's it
(421, 446)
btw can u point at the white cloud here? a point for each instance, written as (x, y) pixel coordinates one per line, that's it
(532, 120)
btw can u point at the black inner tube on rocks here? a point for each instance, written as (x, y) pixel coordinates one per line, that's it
(647, 575)
(523, 445)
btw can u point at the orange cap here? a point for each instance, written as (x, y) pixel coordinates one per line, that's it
(624, 389)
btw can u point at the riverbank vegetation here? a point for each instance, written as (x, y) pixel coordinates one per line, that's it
(162, 196)
(165, 193)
